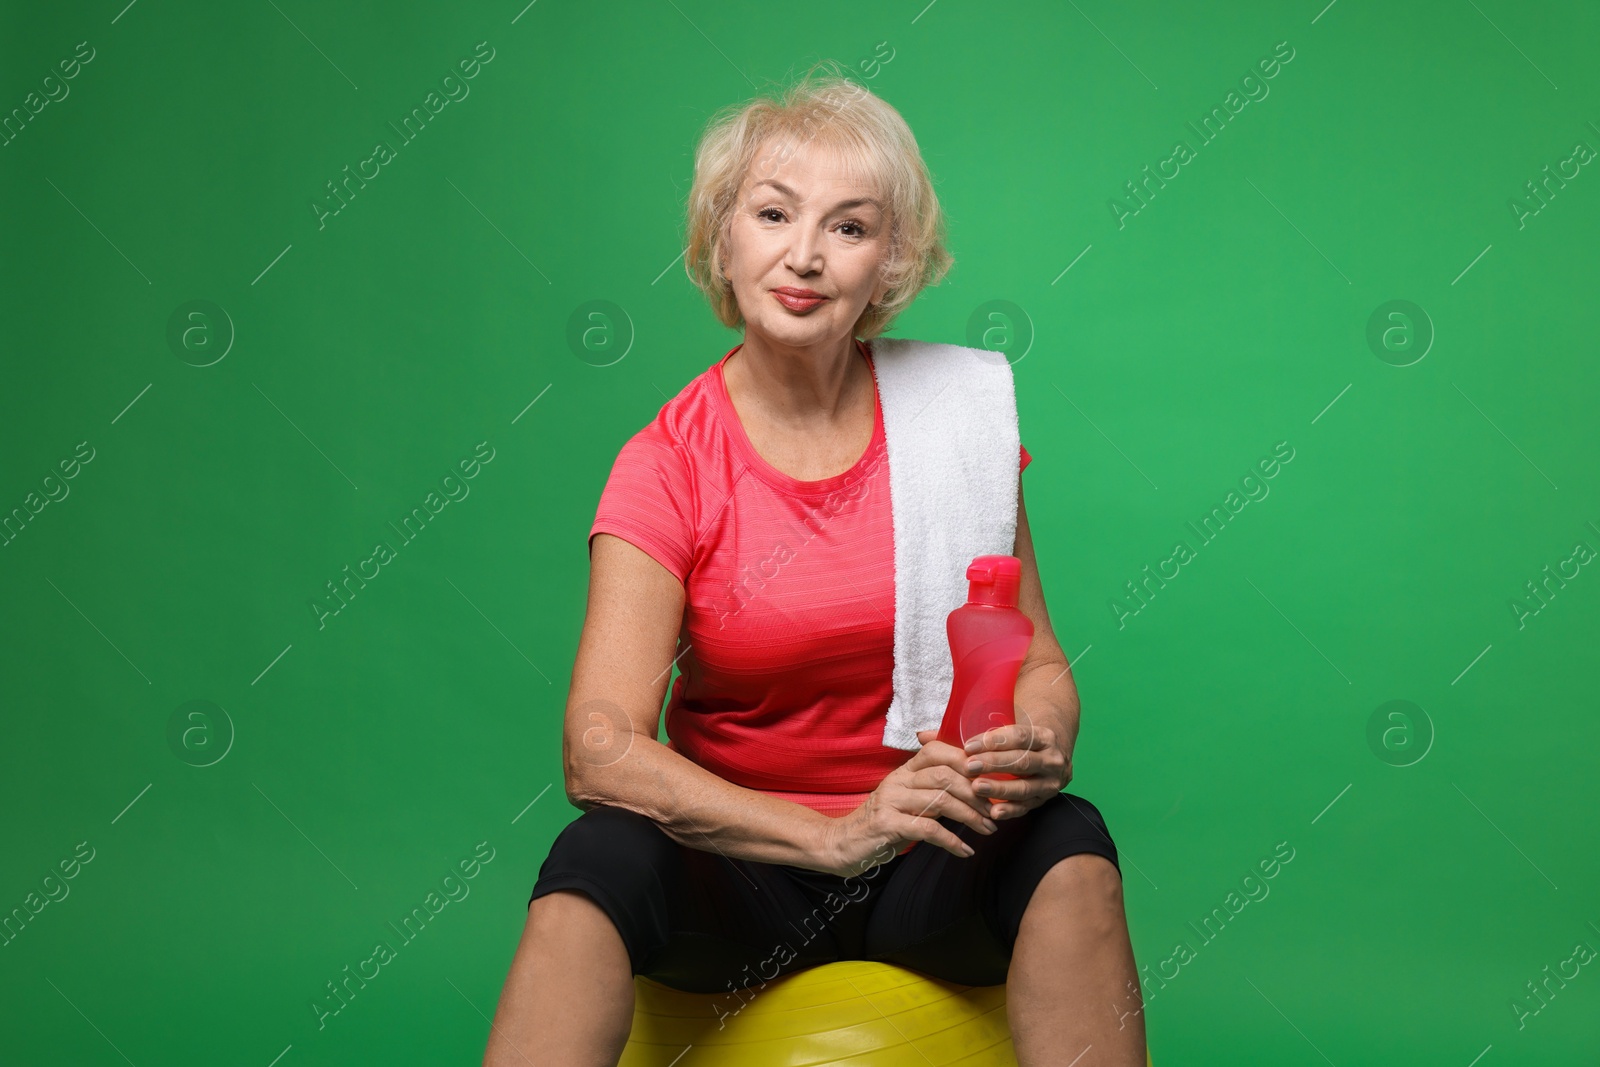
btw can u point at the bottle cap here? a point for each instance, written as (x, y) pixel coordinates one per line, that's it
(994, 580)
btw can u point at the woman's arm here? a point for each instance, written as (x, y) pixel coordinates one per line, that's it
(609, 749)
(1045, 690)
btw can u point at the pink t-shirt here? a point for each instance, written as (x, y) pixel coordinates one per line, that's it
(789, 612)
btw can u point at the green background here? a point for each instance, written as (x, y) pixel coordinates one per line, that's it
(367, 355)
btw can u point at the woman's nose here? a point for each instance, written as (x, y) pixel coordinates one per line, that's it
(804, 252)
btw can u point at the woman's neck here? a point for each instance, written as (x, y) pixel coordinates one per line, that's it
(799, 387)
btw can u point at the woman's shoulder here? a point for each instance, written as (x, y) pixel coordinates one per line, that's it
(684, 426)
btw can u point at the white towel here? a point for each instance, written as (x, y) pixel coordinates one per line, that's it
(950, 425)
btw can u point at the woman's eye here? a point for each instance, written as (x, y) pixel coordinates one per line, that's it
(766, 212)
(861, 230)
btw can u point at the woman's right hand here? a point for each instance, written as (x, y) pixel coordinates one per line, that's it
(906, 807)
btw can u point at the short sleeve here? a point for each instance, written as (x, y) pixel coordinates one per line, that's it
(1026, 459)
(648, 501)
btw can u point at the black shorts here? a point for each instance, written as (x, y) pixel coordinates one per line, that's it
(696, 920)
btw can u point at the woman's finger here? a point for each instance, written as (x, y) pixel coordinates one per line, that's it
(1010, 788)
(1019, 761)
(1012, 809)
(937, 754)
(923, 828)
(948, 779)
(938, 801)
(1014, 735)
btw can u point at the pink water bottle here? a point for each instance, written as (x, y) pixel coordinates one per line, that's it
(989, 637)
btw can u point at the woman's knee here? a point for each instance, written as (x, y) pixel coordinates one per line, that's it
(1068, 816)
(567, 910)
(1083, 876)
(620, 851)
(606, 828)
(1090, 874)
(624, 864)
(1071, 848)
(1081, 893)
(618, 858)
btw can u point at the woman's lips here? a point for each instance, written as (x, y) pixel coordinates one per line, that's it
(797, 303)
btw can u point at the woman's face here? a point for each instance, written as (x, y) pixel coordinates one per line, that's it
(801, 225)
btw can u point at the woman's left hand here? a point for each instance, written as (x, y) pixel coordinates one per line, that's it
(1033, 753)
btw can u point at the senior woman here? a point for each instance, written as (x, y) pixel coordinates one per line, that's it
(812, 223)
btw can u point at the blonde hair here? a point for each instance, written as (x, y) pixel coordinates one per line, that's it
(876, 149)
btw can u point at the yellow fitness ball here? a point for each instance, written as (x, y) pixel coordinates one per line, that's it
(856, 1012)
